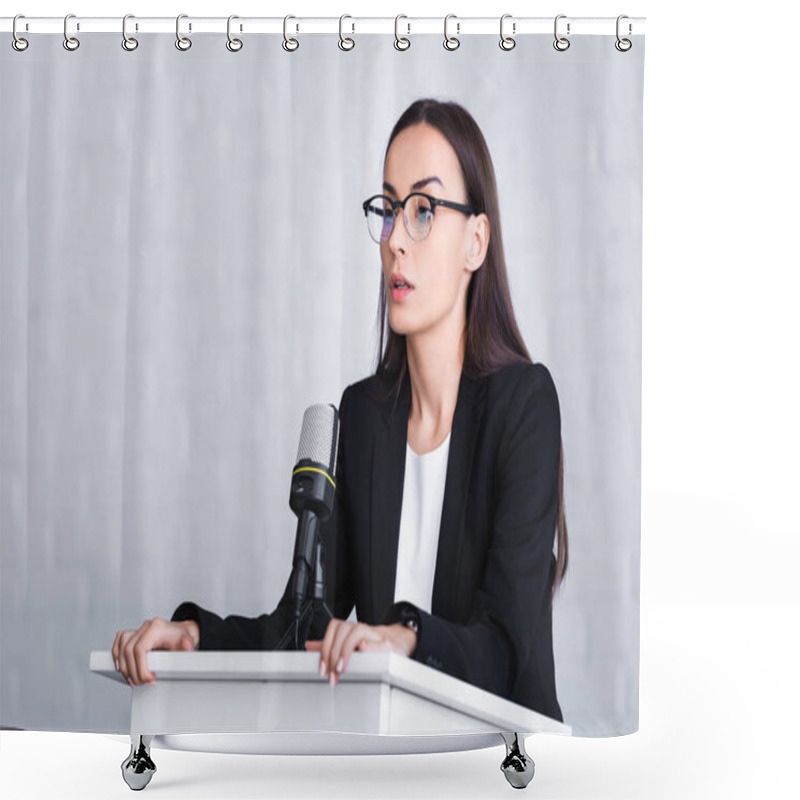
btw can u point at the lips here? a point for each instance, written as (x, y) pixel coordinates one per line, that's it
(399, 294)
(399, 281)
(400, 286)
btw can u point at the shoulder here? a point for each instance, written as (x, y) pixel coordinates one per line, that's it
(520, 384)
(523, 404)
(366, 397)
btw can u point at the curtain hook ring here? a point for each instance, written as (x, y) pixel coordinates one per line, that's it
(345, 42)
(561, 43)
(401, 43)
(129, 43)
(182, 42)
(623, 45)
(70, 42)
(290, 45)
(507, 42)
(233, 44)
(451, 42)
(18, 43)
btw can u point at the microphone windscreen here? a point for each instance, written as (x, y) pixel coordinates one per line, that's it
(319, 439)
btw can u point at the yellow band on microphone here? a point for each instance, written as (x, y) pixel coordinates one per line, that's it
(314, 469)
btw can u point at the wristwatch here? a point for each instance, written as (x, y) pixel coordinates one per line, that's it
(409, 617)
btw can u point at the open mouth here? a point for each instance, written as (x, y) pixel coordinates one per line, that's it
(400, 290)
(399, 283)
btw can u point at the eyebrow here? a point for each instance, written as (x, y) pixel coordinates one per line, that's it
(417, 185)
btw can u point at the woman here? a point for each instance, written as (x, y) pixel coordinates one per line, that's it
(450, 472)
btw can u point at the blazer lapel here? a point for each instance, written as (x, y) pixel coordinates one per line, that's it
(386, 501)
(388, 473)
(463, 438)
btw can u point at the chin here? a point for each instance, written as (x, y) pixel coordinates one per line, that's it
(399, 326)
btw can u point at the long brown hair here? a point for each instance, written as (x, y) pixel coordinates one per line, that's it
(492, 338)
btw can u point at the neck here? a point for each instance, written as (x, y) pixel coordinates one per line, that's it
(434, 367)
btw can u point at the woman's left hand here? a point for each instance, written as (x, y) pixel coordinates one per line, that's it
(342, 638)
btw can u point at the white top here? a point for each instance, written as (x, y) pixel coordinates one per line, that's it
(420, 519)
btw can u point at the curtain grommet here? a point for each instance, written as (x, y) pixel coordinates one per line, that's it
(289, 44)
(129, 43)
(233, 44)
(345, 42)
(507, 42)
(17, 42)
(183, 43)
(70, 42)
(561, 43)
(400, 42)
(451, 42)
(623, 45)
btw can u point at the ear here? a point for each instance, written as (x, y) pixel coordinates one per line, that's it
(479, 233)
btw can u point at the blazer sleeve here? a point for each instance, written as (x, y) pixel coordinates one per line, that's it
(493, 649)
(264, 632)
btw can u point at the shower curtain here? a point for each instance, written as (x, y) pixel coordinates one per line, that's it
(186, 267)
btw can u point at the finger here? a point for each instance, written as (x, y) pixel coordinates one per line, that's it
(115, 650)
(335, 657)
(315, 646)
(354, 637)
(132, 651)
(327, 644)
(145, 644)
(367, 646)
(124, 637)
(129, 656)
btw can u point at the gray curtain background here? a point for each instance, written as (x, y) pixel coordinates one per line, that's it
(186, 267)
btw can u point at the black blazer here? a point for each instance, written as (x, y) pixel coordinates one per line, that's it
(491, 622)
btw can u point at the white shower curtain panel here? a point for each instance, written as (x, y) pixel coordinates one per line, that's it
(186, 267)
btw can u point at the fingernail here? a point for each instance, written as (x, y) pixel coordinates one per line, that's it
(322, 669)
(130, 682)
(116, 665)
(331, 677)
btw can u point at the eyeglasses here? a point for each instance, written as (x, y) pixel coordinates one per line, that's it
(417, 214)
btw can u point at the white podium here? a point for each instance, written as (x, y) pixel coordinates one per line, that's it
(276, 703)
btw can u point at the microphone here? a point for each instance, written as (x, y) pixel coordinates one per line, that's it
(312, 491)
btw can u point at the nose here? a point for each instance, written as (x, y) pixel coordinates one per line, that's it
(398, 238)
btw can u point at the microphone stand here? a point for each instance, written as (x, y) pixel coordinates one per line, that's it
(308, 607)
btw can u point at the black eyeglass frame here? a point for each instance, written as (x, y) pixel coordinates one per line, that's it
(434, 201)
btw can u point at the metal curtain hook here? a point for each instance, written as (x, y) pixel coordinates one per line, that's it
(182, 42)
(128, 42)
(560, 43)
(233, 44)
(451, 42)
(346, 43)
(18, 43)
(290, 45)
(623, 45)
(401, 43)
(507, 42)
(70, 42)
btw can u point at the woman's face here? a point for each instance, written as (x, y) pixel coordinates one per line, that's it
(439, 267)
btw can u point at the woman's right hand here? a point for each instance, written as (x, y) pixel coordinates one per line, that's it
(131, 647)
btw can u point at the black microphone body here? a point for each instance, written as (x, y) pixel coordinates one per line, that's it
(312, 495)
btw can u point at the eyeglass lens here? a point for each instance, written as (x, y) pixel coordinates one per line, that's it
(418, 217)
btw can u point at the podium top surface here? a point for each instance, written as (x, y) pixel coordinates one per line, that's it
(390, 669)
